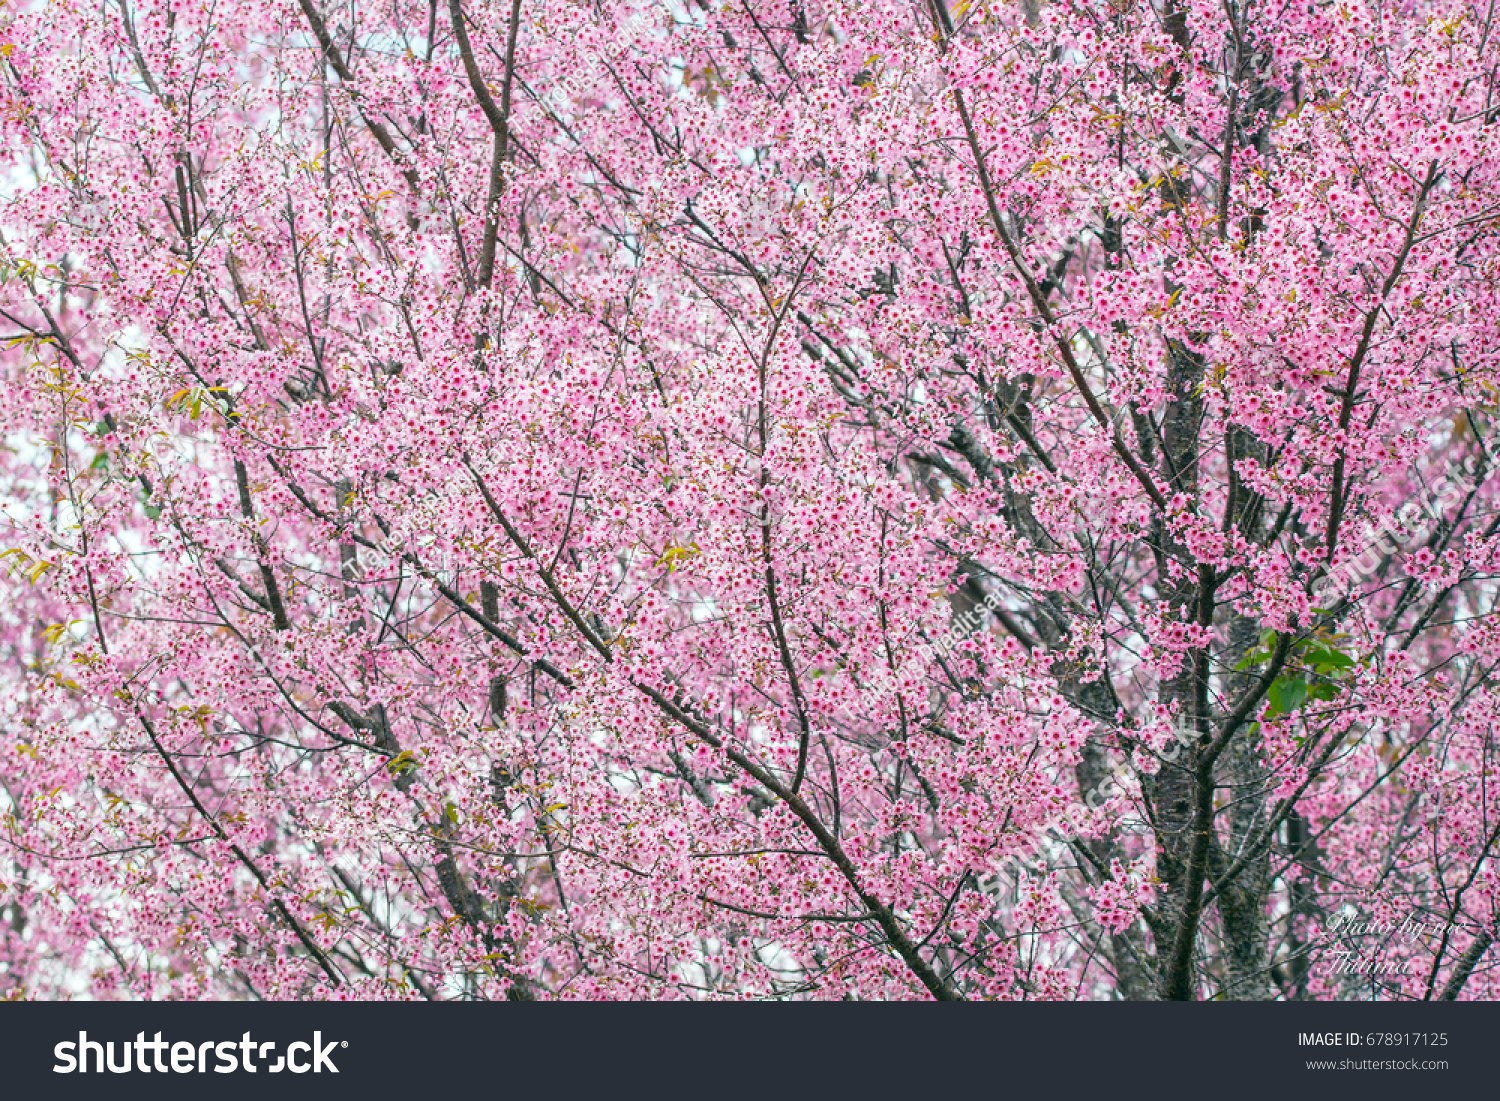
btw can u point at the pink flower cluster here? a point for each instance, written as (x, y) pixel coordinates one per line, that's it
(481, 482)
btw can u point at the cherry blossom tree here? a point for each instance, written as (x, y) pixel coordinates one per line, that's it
(755, 499)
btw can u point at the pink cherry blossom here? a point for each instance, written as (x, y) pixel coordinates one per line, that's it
(641, 500)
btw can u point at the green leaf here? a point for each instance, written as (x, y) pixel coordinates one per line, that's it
(1286, 695)
(1253, 658)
